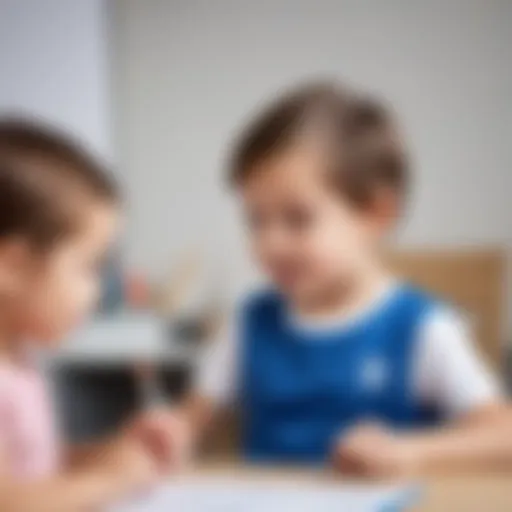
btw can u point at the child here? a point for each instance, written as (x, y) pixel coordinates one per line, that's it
(339, 360)
(58, 213)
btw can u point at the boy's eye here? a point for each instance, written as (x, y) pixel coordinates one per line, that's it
(294, 218)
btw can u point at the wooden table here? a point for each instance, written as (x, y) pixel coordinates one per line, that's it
(462, 493)
(470, 493)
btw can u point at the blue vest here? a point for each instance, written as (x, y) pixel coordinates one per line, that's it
(299, 394)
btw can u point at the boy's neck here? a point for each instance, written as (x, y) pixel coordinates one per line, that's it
(347, 295)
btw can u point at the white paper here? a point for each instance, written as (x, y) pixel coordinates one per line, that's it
(215, 495)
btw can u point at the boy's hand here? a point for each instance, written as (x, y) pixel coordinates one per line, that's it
(166, 434)
(371, 451)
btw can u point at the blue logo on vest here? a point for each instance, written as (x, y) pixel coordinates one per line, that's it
(374, 374)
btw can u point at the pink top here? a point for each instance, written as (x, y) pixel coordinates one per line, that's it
(29, 447)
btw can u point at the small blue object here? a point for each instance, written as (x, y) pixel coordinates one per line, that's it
(112, 297)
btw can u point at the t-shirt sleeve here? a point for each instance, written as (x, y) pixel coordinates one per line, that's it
(449, 372)
(216, 372)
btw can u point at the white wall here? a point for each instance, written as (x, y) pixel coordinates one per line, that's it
(53, 63)
(189, 72)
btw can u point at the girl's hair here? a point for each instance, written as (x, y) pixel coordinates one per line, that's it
(44, 178)
(362, 149)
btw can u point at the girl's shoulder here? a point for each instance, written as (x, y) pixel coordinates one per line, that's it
(20, 381)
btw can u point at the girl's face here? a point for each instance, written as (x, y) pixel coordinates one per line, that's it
(305, 235)
(57, 291)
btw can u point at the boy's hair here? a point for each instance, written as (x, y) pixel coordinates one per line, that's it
(44, 178)
(363, 152)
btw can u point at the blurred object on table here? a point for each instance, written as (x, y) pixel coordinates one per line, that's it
(192, 300)
(176, 290)
(113, 286)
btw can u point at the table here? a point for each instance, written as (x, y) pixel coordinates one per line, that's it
(469, 493)
(444, 493)
(125, 339)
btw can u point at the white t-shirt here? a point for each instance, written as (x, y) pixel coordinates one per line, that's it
(448, 372)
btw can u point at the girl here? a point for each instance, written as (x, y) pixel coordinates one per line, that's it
(58, 213)
(339, 360)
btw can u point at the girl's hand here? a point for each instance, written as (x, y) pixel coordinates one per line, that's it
(129, 464)
(371, 451)
(166, 434)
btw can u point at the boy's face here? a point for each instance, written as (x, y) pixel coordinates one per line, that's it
(65, 286)
(306, 236)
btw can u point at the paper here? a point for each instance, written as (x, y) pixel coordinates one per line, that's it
(215, 495)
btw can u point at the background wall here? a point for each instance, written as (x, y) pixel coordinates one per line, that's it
(54, 64)
(189, 72)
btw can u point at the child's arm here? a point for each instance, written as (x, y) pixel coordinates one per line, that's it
(79, 455)
(67, 493)
(479, 441)
(120, 470)
(450, 376)
(173, 432)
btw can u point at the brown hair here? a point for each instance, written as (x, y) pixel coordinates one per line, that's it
(43, 175)
(363, 150)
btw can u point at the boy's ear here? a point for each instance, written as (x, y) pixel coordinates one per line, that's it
(15, 263)
(385, 208)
